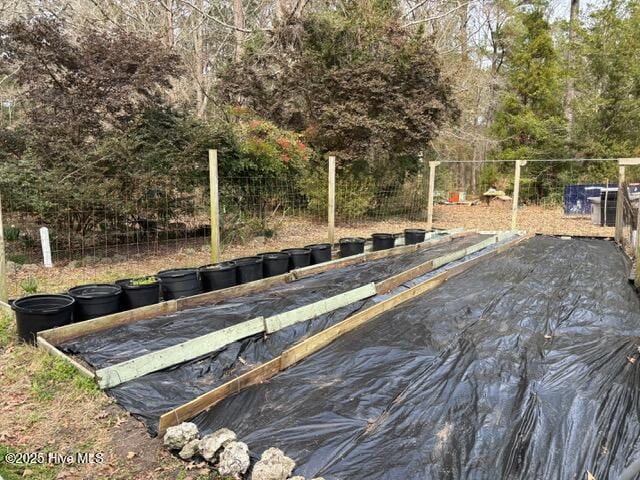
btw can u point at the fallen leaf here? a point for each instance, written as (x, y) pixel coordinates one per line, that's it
(27, 472)
(631, 360)
(548, 337)
(130, 455)
(590, 476)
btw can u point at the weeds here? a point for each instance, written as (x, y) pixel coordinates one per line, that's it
(6, 330)
(54, 375)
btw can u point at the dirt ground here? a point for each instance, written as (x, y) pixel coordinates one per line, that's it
(46, 406)
(297, 232)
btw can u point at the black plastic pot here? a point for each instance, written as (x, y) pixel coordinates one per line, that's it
(136, 296)
(41, 312)
(274, 263)
(320, 252)
(248, 269)
(414, 235)
(298, 257)
(93, 301)
(351, 246)
(179, 283)
(383, 241)
(218, 276)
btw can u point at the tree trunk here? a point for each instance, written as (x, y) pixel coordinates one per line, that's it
(570, 93)
(238, 22)
(168, 18)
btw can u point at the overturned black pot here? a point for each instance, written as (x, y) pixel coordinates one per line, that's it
(97, 300)
(298, 257)
(249, 269)
(218, 276)
(320, 252)
(179, 283)
(35, 313)
(274, 263)
(139, 292)
(414, 235)
(383, 241)
(351, 246)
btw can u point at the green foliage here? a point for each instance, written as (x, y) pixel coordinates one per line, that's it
(607, 120)
(530, 122)
(139, 282)
(354, 196)
(12, 233)
(55, 375)
(29, 285)
(7, 333)
(18, 258)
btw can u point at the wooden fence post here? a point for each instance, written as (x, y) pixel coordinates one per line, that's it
(215, 208)
(516, 194)
(3, 260)
(432, 186)
(620, 204)
(636, 278)
(332, 200)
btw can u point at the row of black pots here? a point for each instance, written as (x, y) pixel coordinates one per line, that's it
(40, 312)
(381, 241)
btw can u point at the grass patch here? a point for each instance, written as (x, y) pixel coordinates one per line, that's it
(36, 471)
(7, 333)
(55, 375)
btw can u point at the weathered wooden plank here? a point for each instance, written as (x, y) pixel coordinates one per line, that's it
(58, 335)
(204, 402)
(42, 343)
(390, 283)
(483, 244)
(114, 375)
(313, 310)
(315, 343)
(451, 257)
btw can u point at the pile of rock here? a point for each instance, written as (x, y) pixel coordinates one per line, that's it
(230, 457)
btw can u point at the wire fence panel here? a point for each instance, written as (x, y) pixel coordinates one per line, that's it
(554, 197)
(148, 216)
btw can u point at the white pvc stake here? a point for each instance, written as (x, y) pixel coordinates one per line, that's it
(46, 247)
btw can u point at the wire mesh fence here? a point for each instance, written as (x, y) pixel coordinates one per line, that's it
(555, 197)
(148, 217)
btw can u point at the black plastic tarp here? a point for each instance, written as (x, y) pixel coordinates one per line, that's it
(522, 367)
(154, 394)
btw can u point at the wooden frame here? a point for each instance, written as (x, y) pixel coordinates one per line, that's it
(316, 342)
(61, 334)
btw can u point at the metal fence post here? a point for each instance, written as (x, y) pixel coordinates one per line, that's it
(620, 204)
(215, 208)
(516, 194)
(432, 186)
(331, 213)
(3, 260)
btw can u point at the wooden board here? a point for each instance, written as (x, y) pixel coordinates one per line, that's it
(205, 401)
(114, 375)
(313, 310)
(58, 335)
(316, 342)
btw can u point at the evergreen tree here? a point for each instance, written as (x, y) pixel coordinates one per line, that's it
(530, 121)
